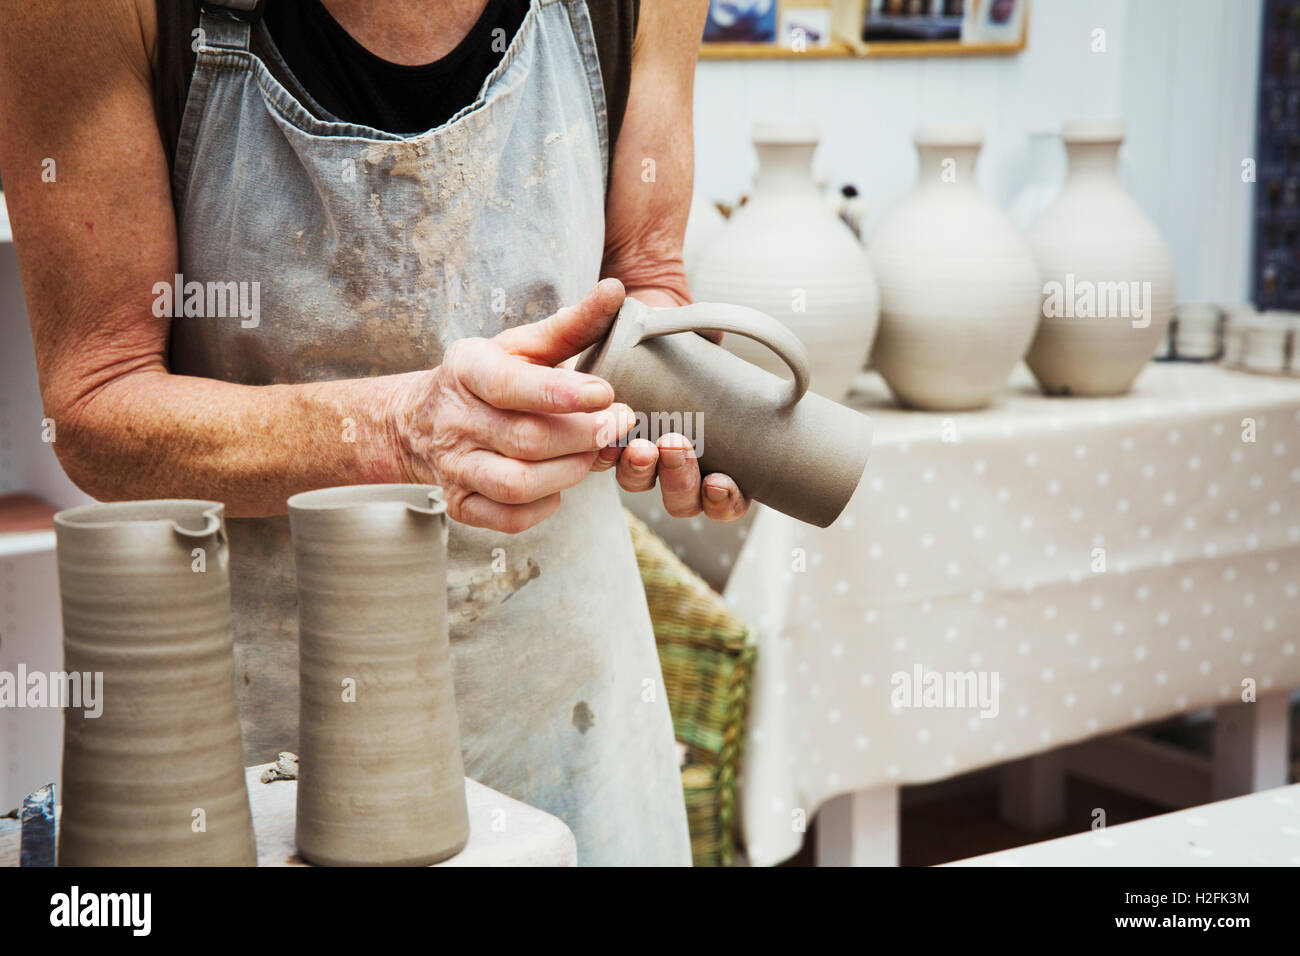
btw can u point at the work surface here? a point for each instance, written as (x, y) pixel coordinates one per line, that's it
(1259, 829)
(502, 831)
(1069, 567)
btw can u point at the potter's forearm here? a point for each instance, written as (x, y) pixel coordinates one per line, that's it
(651, 181)
(151, 434)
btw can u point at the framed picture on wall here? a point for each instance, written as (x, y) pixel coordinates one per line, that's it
(917, 21)
(996, 21)
(741, 21)
(819, 28)
(771, 28)
(805, 27)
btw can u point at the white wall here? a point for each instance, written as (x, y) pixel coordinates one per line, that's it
(1181, 73)
(26, 462)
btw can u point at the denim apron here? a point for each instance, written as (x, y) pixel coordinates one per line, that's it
(373, 252)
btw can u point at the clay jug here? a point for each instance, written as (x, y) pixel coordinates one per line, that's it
(157, 779)
(381, 778)
(787, 447)
(787, 254)
(1108, 279)
(959, 288)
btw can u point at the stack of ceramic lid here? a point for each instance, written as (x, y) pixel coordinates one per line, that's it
(1269, 342)
(1235, 319)
(1196, 334)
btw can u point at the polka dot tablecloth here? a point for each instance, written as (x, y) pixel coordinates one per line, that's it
(1012, 580)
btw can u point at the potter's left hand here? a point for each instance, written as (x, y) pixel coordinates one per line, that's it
(672, 460)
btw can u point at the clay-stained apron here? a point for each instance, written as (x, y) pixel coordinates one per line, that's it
(373, 252)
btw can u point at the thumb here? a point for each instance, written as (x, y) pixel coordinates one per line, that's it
(569, 331)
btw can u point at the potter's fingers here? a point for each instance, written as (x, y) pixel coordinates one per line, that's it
(513, 482)
(534, 437)
(679, 476)
(722, 498)
(636, 466)
(569, 331)
(607, 458)
(480, 512)
(503, 381)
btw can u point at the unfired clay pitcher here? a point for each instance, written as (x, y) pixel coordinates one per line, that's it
(381, 779)
(1102, 260)
(959, 287)
(791, 449)
(157, 779)
(786, 253)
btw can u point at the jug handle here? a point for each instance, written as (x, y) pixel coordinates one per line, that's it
(738, 320)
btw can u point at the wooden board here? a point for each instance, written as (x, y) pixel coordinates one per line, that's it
(21, 512)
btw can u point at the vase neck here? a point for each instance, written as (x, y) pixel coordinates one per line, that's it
(1090, 161)
(785, 168)
(946, 166)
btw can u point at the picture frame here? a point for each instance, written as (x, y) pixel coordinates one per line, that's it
(790, 29)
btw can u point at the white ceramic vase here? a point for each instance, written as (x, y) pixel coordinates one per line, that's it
(1108, 279)
(958, 286)
(786, 253)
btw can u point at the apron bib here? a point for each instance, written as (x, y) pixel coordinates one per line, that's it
(373, 252)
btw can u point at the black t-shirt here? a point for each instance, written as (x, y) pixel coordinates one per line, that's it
(359, 87)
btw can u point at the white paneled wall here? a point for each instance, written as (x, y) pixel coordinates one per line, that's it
(27, 463)
(1182, 73)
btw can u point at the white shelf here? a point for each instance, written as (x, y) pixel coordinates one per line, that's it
(25, 542)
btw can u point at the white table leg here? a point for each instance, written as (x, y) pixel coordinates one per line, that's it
(859, 829)
(1031, 792)
(1250, 746)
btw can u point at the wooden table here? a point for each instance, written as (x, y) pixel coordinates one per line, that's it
(502, 831)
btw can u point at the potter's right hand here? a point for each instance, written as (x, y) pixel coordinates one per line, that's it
(504, 431)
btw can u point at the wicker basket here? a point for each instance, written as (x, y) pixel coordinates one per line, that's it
(707, 662)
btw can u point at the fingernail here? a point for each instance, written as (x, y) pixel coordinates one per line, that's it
(715, 493)
(672, 458)
(595, 395)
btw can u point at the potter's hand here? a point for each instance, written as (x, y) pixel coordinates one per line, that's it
(501, 429)
(673, 461)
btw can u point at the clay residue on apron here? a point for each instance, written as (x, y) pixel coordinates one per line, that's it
(442, 192)
(466, 602)
(583, 718)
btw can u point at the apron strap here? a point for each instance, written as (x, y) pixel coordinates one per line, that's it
(228, 25)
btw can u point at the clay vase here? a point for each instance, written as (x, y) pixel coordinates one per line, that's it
(1108, 279)
(381, 779)
(959, 289)
(787, 254)
(157, 779)
(787, 447)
